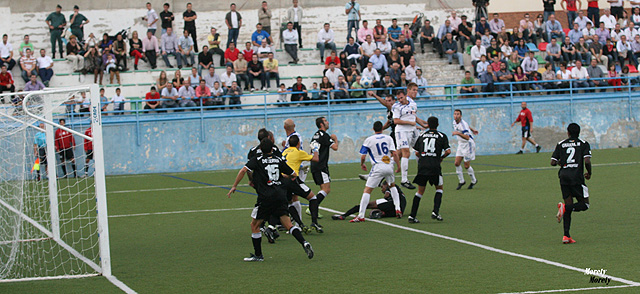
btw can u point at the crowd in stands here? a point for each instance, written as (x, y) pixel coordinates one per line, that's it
(383, 56)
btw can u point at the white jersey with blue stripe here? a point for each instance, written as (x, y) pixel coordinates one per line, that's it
(286, 142)
(406, 112)
(379, 148)
(463, 127)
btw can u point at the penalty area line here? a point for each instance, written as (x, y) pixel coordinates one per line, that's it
(489, 248)
(122, 286)
(572, 290)
(179, 212)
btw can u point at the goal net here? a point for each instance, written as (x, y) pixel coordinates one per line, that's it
(53, 212)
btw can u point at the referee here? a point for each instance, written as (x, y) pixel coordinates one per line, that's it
(40, 149)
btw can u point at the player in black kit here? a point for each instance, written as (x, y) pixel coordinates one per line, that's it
(322, 141)
(383, 207)
(429, 149)
(573, 155)
(268, 170)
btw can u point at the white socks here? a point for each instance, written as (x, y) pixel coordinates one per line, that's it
(404, 167)
(471, 174)
(396, 197)
(459, 173)
(363, 204)
(298, 206)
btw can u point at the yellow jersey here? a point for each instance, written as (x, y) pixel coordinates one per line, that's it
(295, 157)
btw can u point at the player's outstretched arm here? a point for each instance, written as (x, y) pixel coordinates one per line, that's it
(398, 121)
(474, 131)
(382, 101)
(423, 123)
(239, 177)
(587, 165)
(463, 136)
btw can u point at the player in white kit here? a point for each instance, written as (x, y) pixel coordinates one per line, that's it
(466, 148)
(406, 133)
(380, 149)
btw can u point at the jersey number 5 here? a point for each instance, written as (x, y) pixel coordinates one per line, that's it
(382, 148)
(429, 145)
(274, 172)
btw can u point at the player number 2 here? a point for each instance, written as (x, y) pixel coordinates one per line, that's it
(430, 145)
(382, 148)
(572, 153)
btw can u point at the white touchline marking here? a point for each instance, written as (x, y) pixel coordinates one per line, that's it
(572, 290)
(120, 285)
(179, 212)
(581, 270)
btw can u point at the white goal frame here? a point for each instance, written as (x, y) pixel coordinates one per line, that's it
(104, 266)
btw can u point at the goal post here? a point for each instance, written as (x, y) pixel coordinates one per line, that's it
(53, 225)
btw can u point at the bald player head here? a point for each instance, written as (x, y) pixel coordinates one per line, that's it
(289, 126)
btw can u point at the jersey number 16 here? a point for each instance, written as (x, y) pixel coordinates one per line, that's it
(382, 148)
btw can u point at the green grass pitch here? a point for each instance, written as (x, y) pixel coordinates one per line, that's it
(179, 233)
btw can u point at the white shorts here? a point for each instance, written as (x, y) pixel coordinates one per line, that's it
(379, 172)
(406, 139)
(467, 150)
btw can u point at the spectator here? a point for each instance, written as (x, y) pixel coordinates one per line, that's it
(299, 90)
(384, 46)
(352, 10)
(482, 27)
(410, 70)
(263, 51)
(520, 78)
(333, 73)
(371, 73)
(575, 34)
(455, 22)
(228, 78)
(186, 95)
(136, 49)
(530, 63)
(256, 71)
(214, 46)
(185, 48)
(119, 50)
(271, 70)
(379, 62)
(539, 27)
(352, 51)
(290, 37)
(608, 19)
(203, 94)
(73, 54)
(264, 17)
(56, 23)
(464, 32)
(564, 75)
(162, 81)
(178, 80)
(467, 85)
(282, 94)
(603, 33)
(104, 101)
(325, 40)
(625, 51)
(504, 76)
(393, 57)
(617, 9)
(233, 20)
(118, 101)
(325, 88)
(596, 50)
(234, 94)
(612, 74)
(294, 15)
(105, 43)
(152, 19)
(595, 74)
(450, 48)
(6, 81)
(240, 68)
(481, 66)
(630, 31)
(170, 96)
(152, 102)
(588, 33)
(211, 77)
(405, 56)
(583, 51)
(521, 48)
(635, 17)
(426, 35)
(421, 82)
(45, 67)
(487, 38)
(189, 16)
(92, 63)
(6, 53)
(231, 54)
(205, 60)
(548, 75)
(332, 58)
(593, 11)
(504, 37)
(170, 47)
(394, 73)
(488, 79)
(217, 92)
(379, 31)
(194, 78)
(495, 64)
(513, 61)
(357, 91)
(494, 50)
(28, 66)
(364, 31)
(260, 36)
(554, 53)
(610, 50)
(478, 51)
(481, 8)
(582, 20)
(367, 50)
(549, 8)
(394, 32)
(570, 8)
(150, 49)
(77, 21)
(635, 48)
(496, 25)
(526, 28)
(33, 84)
(553, 28)
(351, 72)
(24, 45)
(109, 66)
(442, 32)
(166, 18)
(342, 89)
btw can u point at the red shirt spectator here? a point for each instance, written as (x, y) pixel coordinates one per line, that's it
(150, 96)
(334, 59)
(231, 55)
(64, 140)
(88, 145)
(6, 79)
(525, 117)
(247, 54)
(203, 90)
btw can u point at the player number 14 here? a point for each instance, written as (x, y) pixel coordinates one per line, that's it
(429, 145)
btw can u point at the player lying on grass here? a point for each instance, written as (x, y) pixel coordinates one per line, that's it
(383, 207)
(572, 155)
(268, 172)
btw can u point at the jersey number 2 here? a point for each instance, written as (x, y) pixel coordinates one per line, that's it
(572, 153)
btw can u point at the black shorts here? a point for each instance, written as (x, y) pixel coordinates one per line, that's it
(66, 154)
(297, 187)
(388, 208)
(88, 154)
(266, 209)
(576, 191)
(433, 180)
(526, 132)
(321, 177)
(42, 155)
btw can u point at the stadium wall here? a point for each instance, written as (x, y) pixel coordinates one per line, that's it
(176, 146)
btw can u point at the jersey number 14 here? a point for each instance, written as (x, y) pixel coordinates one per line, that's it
(429, 145)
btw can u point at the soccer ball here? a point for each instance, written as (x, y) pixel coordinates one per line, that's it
(366, 82)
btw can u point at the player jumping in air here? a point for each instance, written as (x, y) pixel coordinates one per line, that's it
(525, 118)
(387, 102)
(322, 141)
(268, 171)
(383, 207)
(573, 155)
(380, 149)
(404, 116)
(466, 148)
(430, 147)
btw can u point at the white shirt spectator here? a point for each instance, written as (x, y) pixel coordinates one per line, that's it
(476, 52)
(506, 50)
(187, 92)
(421, 82)
(410, 71)
(579, 74)
(151, 17)
(44, 62)
(566, 75)
(333, 75)
(529, 64)
(368, 48)
(5, 49)
(481, 67)
(588, 33)
(623, 47)
(210, 80)
(455, 22)
(261, 52)
(582, 22)
(630, 33)
(325, 35)
(290, 37)
(372, 74)
(615, 36)
(385, 47)
(165, 92)
(117, 100)
(227, 80)
(609, 21)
